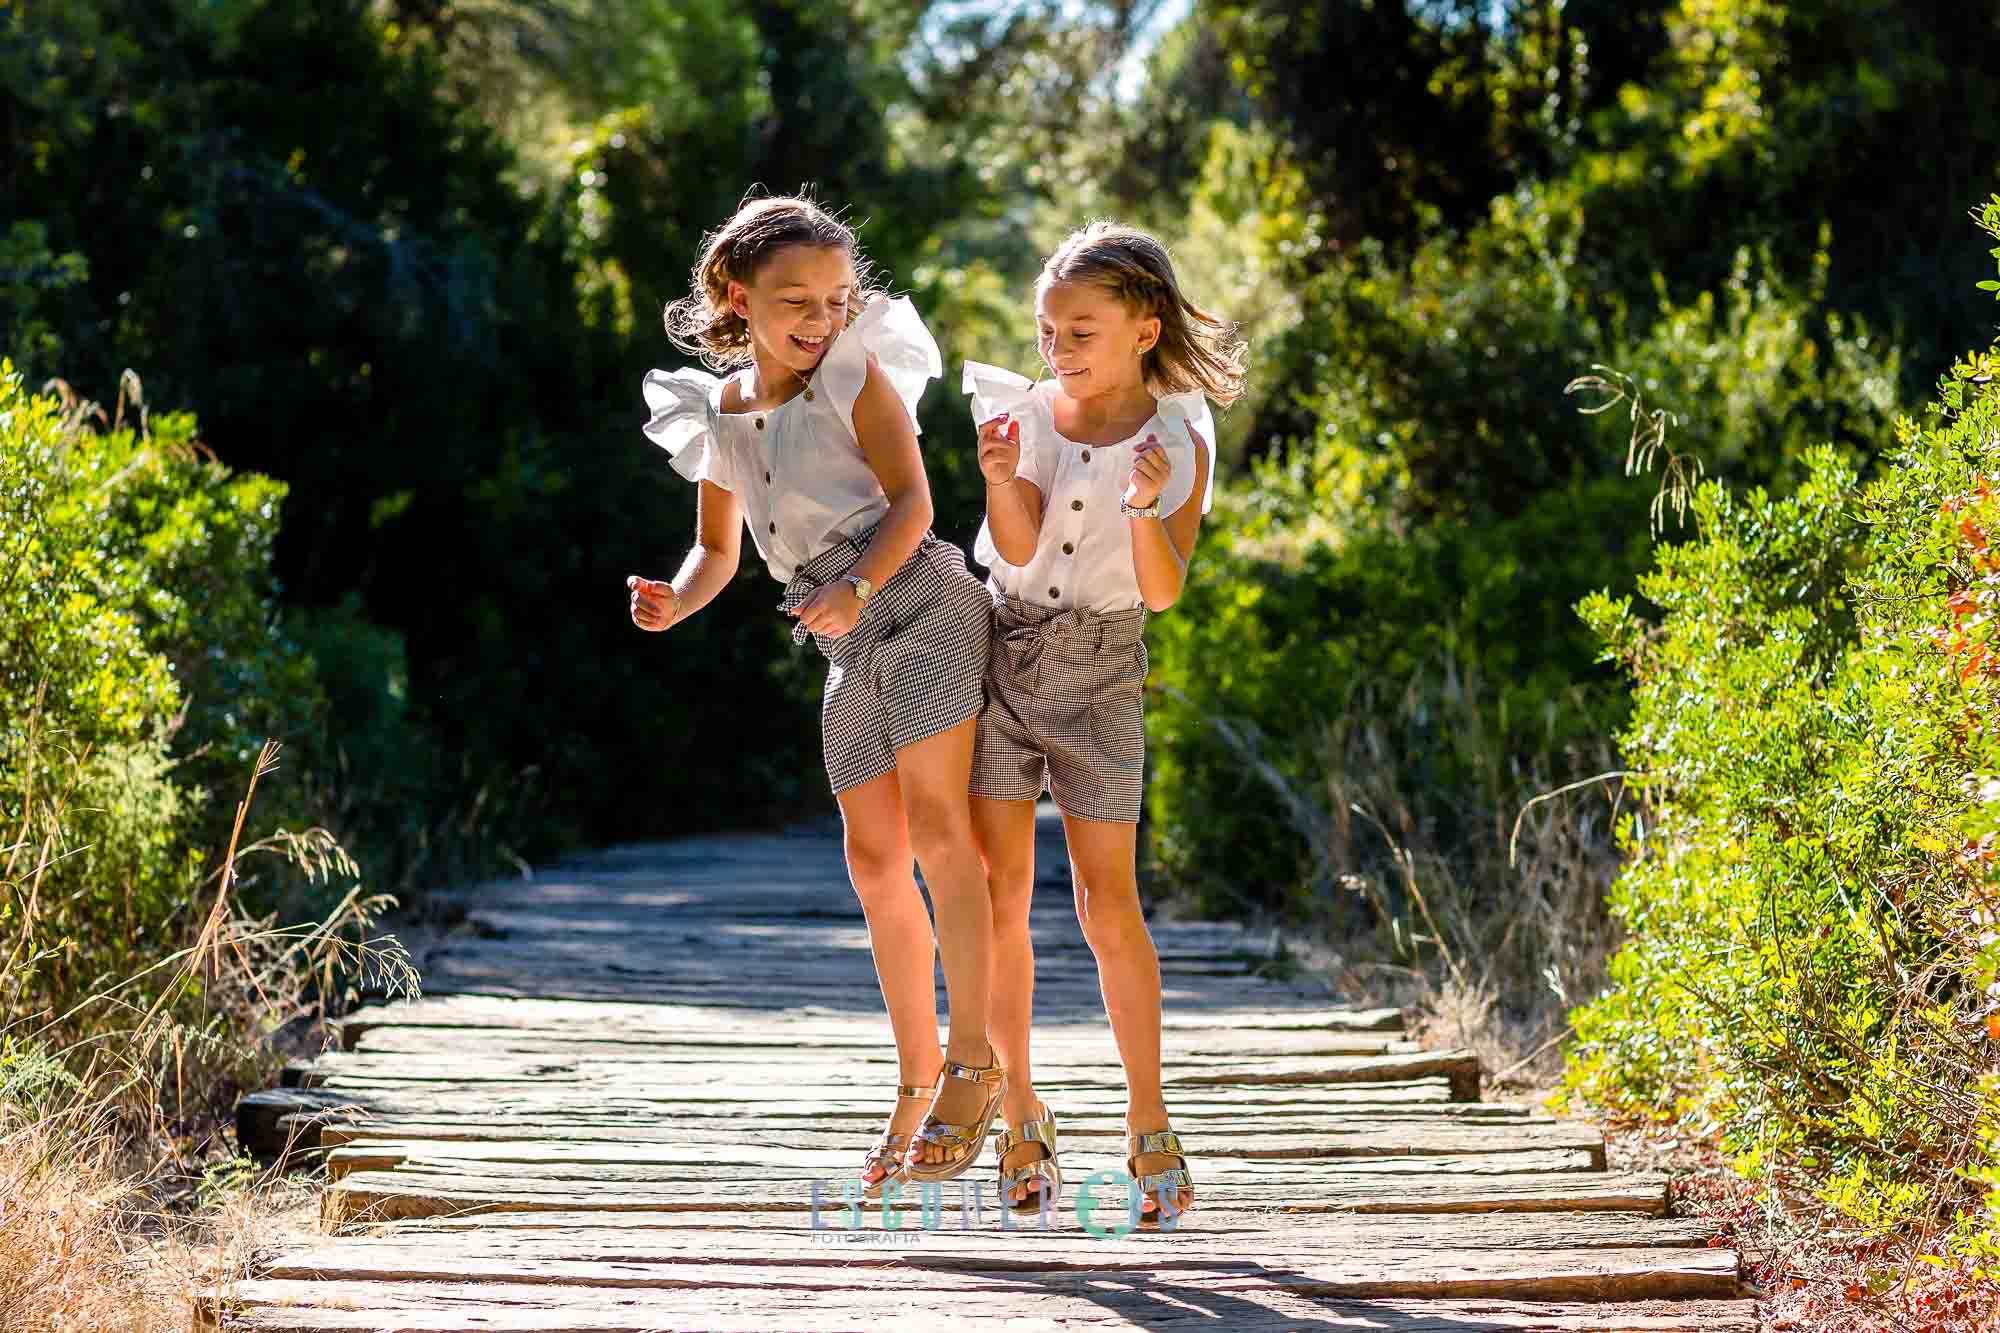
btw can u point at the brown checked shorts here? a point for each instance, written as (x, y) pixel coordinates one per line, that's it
(1065, 710)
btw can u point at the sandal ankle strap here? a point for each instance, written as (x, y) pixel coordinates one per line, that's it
(913, 1092)
(966, 1073)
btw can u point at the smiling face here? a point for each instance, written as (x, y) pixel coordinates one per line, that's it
(1091, 339)
(794, 304)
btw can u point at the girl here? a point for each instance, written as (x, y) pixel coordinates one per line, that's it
(1096, 482)
(812, 441)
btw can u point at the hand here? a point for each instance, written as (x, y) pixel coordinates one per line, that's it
(999, 450)
(832, 611)
(1150, 471)
(655, 604)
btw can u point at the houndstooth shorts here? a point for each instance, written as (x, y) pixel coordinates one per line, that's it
(1065, 710)
(912, 666)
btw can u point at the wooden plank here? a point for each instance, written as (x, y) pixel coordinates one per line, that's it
(365, 1197)
(467, 1012)
(873, 1281)
(855, 1119)
(1280, 1136)
(1364, 1140)
(810, 1070)
(874, 1276)
(413, 1308)
(776, 1164)
(981, 1242)
(1217, 1224)
(1095, 1049)
(782, 1104)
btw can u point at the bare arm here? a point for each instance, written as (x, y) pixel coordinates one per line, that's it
(710, 564)
(1013, 503)
(1162, 547)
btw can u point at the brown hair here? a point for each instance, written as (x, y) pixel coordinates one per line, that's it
(1196, 350)
(702, 322)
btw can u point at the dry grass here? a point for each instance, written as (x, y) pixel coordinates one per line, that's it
(121, 1197)
(90, 1240)
(1482, 899)
(1808, 1270)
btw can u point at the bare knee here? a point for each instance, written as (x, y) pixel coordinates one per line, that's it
(878, 865)
(1010, 881)
(1110, 916)
(940, 825)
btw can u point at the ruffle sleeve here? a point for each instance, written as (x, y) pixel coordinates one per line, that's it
(682, 404)
(995, 391)
(1186, 417)
(893, 333)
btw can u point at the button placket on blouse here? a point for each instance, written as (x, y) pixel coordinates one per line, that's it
(765, 442)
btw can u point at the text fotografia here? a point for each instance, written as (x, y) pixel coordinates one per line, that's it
(927, 1209)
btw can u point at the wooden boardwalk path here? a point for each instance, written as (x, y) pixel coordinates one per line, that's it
(611, 1110)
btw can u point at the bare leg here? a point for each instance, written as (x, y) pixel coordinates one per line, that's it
(936, 773)
(1006, 833)
(1103, 863)
(899, 931)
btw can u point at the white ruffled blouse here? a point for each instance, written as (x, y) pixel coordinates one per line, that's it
(1084, 556)
(796, 469)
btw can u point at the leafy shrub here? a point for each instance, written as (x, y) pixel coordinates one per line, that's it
(1810, 895)
(1442, 502)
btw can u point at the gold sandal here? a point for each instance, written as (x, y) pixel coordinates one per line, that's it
(891, 1146)
(962, 1141)
(1044, 1169)
(1162, 1187)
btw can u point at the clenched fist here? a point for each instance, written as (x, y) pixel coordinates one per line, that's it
(655, 604)
(999, 450)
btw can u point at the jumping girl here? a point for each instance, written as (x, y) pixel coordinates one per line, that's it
(811, 440)
(1096, 483)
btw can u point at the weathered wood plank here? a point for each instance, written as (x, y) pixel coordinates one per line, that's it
(464, 1012)
(715, 1164)
(263, 1126)
(365, 1197)
(1366, 1139)
(1218, 1225)
(981, 1242)
(814, 1070)
(1593, 1274)
(1093, 1049)
(414, 1308)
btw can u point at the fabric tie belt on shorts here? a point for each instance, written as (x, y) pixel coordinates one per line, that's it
(1027, 630)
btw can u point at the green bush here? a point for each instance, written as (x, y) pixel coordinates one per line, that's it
(1809, 897)
(1442, 502)
(142, 668)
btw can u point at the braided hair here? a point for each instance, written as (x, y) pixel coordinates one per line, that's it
(1195, 350)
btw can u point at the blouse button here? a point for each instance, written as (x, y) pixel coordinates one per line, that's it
(1086, 455)
(1076, 504)
(1053, 592)
(1069, 548)
(767, 479)
(760, 423)
(774, 529)
(798, 570)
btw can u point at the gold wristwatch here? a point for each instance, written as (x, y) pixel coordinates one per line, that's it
(863, 589)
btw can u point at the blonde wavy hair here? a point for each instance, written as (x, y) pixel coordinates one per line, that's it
(702, 323)
(1196, 350)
